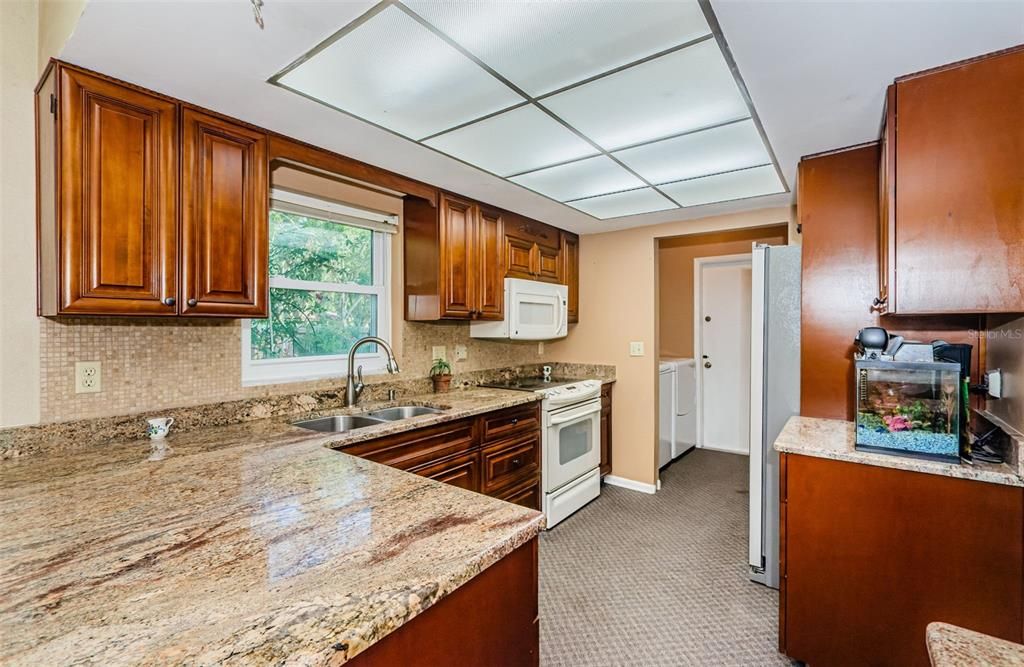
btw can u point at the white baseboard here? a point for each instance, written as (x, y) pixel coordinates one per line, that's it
(630, 484)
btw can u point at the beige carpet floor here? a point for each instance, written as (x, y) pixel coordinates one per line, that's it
(636, 579)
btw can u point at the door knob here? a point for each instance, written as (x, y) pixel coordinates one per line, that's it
(707, 364)
(707, 318)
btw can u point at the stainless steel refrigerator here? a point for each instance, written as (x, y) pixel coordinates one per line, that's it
(774, 393)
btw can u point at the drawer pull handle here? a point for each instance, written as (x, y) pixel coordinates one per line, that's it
(515, 420)
(515, 462)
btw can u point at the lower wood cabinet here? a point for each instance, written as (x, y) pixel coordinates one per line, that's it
(869, 556)
(606, 429)
(496, 453)
(490, 620)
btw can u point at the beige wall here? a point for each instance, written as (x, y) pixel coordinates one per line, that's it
(618, 304)
(675, 279)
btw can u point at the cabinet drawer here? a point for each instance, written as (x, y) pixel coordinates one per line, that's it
(510, 460)
(531, 231)
(418, 447)
(461, 470)
(526, 493)
(500, 425)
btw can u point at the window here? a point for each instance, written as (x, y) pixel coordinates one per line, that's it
(329, 274)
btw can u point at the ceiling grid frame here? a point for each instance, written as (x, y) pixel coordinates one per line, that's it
(537, 102)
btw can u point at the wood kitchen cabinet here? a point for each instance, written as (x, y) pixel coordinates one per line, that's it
(224, 217)
(570, 272)
(606, 429)
(870, 555)
(492, 619)
(532, 250)
(454, 268)
(146, 206)
(107, 187)
(952, 210)
(496, 453)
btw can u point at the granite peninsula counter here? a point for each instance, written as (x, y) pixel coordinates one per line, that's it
(834, 439)
(253, 543)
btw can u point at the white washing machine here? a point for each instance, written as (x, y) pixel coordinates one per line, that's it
(677, 414)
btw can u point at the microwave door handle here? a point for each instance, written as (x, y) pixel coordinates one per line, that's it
(562, 319)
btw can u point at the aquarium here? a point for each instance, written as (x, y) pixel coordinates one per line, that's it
(909, 408)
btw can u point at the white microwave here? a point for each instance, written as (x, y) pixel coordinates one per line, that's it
(533, 311)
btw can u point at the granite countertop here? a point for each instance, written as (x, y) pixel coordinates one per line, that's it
(953, 646)
(834, 439)
(246, 544)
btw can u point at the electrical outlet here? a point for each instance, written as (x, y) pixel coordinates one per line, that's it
(88, 377)
(461, 353)
(439, 352)
(636, 348)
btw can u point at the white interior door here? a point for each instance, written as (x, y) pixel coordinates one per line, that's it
(724, 349)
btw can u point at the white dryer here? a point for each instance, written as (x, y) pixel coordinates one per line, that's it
(685, 418)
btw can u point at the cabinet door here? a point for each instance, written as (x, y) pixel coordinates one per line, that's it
(458, 225)
(570, 272)
(462, 470)
(490, 266)
(886, 203)
(224, 225)
(549, 267)
(519, 261)
(510, 462)
(606, 429)
(959, 209)
(118, 180)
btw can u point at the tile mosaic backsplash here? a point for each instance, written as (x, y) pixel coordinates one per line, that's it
(150, 364)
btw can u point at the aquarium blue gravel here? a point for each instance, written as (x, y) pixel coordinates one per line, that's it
(921, 442)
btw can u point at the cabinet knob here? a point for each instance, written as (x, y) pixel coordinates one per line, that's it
(169, 301)
(515, 420)
(192, 303)
(515, 462)
(879, 302)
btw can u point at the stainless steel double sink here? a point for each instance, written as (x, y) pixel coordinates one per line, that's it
(343, 423)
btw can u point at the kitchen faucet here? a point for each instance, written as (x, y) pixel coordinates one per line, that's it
(355, 385)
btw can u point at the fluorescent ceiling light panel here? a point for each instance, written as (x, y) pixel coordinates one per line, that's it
(633, 202)
(519, 140)
(544, 46)
(679, 92)
(583, 178)
(727, 148)
(725, 187)
(394, 72)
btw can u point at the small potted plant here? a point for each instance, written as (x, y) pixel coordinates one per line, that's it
(441, 375)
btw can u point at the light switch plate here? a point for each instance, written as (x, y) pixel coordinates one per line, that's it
(995, 383)
(439, 352)
(636, 348)
(88, 377)
(461, 353)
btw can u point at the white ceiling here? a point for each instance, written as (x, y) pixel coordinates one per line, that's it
(816, 73)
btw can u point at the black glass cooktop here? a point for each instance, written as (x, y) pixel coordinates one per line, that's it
(528, 384)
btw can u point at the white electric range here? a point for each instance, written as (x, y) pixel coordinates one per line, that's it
(570, 442)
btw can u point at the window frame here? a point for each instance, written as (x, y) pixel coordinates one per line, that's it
(300, 369)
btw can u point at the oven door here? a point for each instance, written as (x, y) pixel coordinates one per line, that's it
(572, 443)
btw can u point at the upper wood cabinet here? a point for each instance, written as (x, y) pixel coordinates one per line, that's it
(224, 218)
(532, 250)
(569, 273)
(454, 268)
(145, 208)
(108, 197)
(952, 201)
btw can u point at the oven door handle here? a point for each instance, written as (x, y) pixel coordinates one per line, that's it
(575, 415)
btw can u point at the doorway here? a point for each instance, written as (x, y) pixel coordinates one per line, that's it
(722, 289)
